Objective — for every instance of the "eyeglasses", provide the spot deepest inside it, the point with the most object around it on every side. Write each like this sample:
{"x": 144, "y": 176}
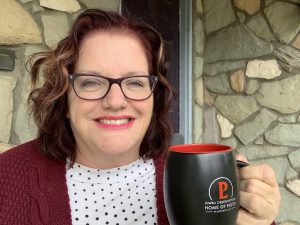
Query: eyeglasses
{"x": 93, "y": 87}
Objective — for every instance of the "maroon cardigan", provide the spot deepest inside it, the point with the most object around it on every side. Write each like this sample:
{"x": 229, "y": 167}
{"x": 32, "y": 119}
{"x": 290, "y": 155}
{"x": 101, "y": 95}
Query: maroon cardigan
{"x": 33, "y": 189}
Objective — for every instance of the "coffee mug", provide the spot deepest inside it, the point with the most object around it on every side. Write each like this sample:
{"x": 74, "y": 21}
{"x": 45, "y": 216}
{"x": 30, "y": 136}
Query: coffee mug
{"x": 201, "y": 185}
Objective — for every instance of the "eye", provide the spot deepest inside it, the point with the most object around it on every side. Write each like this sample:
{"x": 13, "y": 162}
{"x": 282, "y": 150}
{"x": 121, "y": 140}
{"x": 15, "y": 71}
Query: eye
{"x": 90, "y": 83}
{"x": 140, "y": 82}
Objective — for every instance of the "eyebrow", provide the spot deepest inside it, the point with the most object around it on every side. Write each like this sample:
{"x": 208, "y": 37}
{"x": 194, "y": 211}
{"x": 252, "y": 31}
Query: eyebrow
{"x": 133, "y": 73}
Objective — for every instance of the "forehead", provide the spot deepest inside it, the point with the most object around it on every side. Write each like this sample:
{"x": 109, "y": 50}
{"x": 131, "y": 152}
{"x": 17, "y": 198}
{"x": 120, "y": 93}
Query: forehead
{"x": 108, "y": 36}
{"x": 112, "y": 50}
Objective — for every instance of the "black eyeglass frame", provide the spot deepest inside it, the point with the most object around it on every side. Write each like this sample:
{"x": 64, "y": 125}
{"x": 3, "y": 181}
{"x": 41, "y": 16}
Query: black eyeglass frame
{"x": 112, "y": 81}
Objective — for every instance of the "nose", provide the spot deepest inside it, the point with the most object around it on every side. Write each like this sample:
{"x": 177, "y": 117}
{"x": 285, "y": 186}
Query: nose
{"x": 115, "y": 98}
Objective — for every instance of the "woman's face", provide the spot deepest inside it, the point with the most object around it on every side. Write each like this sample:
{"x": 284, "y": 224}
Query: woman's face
{"x": 109, "y": 131}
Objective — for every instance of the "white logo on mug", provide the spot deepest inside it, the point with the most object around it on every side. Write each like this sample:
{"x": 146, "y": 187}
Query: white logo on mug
{"x": 221, "y": 196}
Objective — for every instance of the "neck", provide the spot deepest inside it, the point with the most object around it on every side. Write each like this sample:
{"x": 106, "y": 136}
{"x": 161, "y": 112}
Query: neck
{"x": 105, "y": 161}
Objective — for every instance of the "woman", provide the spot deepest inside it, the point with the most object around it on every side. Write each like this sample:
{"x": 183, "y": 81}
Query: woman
{"x": 102, "y": 117}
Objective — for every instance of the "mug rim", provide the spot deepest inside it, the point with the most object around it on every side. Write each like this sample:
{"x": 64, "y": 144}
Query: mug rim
{"x": 200, "y": 148}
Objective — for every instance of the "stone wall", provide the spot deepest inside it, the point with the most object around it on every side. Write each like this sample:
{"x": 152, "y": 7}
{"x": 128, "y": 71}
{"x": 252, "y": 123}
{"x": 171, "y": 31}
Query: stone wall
{"x": 247, "y": 85}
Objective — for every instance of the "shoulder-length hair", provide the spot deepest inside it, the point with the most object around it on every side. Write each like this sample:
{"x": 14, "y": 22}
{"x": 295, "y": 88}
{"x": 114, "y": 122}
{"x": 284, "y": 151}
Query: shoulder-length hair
{"x": 48, "y": 99}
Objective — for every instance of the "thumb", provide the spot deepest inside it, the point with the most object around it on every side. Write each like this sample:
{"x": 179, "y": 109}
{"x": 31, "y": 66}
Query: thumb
{"x": 241, "y": 157}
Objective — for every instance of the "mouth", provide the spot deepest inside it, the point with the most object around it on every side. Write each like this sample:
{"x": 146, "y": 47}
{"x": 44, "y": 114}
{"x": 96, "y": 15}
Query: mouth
{"x": 115, "y": 122}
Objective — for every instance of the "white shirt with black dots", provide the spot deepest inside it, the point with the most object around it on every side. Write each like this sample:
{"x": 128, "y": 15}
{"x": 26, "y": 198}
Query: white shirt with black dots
{"x": 118, "y": 196}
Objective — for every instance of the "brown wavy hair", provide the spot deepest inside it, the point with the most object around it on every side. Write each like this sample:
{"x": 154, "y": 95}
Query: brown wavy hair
{"x": 48, "y": 99}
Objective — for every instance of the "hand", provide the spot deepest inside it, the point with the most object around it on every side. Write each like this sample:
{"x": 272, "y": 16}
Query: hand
{"x": 259, "y": 194}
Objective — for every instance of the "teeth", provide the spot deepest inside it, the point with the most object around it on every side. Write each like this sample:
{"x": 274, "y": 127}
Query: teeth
{"x": 114, "y": 122}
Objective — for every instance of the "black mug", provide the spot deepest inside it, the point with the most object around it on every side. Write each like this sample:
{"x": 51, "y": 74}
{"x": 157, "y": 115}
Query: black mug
{"x": 201, "y": 185}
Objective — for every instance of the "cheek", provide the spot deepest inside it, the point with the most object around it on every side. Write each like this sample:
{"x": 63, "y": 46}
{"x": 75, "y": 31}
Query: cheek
{"x": 76, "y": 107}
{"x": 148, "y": 109}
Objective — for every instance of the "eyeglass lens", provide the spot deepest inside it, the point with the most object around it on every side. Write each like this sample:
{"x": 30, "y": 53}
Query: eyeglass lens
{"x": 96, "y": 87}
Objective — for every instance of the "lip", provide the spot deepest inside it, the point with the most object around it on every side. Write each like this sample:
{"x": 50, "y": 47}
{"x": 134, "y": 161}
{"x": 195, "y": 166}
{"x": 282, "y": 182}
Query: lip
{"x": 115, "y": 122}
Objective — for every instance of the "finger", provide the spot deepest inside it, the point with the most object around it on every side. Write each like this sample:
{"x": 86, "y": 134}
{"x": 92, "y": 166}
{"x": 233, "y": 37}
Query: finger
{"x": 256, "y": 205}
{"x": 261, "y": 172}
{"x": 259, "y": 188}
{"x": 244, "y": 217}
{"x": 241, "y": 158}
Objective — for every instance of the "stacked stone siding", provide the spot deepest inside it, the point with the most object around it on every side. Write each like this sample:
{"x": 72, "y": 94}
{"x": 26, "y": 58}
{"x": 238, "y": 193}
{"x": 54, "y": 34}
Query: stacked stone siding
{"x": 247, "y": 88}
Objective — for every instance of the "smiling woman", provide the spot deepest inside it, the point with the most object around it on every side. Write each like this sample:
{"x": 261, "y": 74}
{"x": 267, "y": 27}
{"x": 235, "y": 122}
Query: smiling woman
{"x": 103, "y": 129}
{"x": 102, "y": 113}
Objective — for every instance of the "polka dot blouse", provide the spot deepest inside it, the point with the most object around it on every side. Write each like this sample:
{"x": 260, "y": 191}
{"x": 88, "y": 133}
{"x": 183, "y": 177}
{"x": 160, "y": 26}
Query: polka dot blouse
{"x": 117, "y": 196}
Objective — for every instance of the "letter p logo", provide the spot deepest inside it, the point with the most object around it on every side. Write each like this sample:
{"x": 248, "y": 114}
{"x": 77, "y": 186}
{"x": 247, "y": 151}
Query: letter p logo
{"x": 223, "y": 187}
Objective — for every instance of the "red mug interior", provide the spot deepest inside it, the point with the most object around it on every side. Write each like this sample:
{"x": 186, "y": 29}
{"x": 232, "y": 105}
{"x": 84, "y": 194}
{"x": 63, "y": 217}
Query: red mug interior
{"x": 200, "y": 148}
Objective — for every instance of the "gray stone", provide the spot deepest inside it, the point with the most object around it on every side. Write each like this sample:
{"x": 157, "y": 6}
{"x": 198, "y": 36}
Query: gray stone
{"x": 291, "y": 174}
{"x": 284, "y": 134}
{"x": 218, "y": 14}
{"x": 296, "y": 1}
{"x": 282, "y": 96}
{"x": 289, "y": 57}
{"x": 225, "y": 126}
{"x": 260, "y": 27}
{"x": 21, "y": 28}
{"x": 284, "y": 19}
{"x": 199, "y": 36}
{"x": 199, "y": 92}
{"x": 53, "y": 33}
{"x": 289, "y": 223}
{"x": 199, "y": 6}
{"x": 259, "y": 141}
{"x": 294, "y": 158}
{"x": 294, "y": 186}
{"x": 252, "y": 86}
{"x": 232, "y": 142}
{"x": 263, "y": 151}
{"x": 279, "y": 165}
{"x": 213, "y": 69}
{"x": 211, "y": 132}
{"x": 7, "y": 85}
{"x": 236, "y": 108}
{"x": 268, "y": 2}
{"x": 24, "y": 126}
{"x": 241, "y": 16}
{"x": 266, "y": 69}
{"x": 251, "y": 130}
{"x": 287, "y": 119}
{"x": 36, "y": 7}
{"x": 218, "y": 84}
{"x": 198, "y": 123}
{"x": 65, "y": 6}
{"x": 25, "y": 1}
{"x": 289, "y": 207}
{"x": 198, "y": 68}
{"x": 208, "y": 98}
{"x": 102, "y": 4}
{"x": 235, "y": 42}
{"x": 20, "y": 114}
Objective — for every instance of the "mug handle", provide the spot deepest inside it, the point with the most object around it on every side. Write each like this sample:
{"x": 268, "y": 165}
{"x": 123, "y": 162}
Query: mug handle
{"x": 241, "y": 164}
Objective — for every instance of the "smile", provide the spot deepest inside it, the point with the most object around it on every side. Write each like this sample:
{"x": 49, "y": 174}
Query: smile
{"x": 115, "y": 121}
